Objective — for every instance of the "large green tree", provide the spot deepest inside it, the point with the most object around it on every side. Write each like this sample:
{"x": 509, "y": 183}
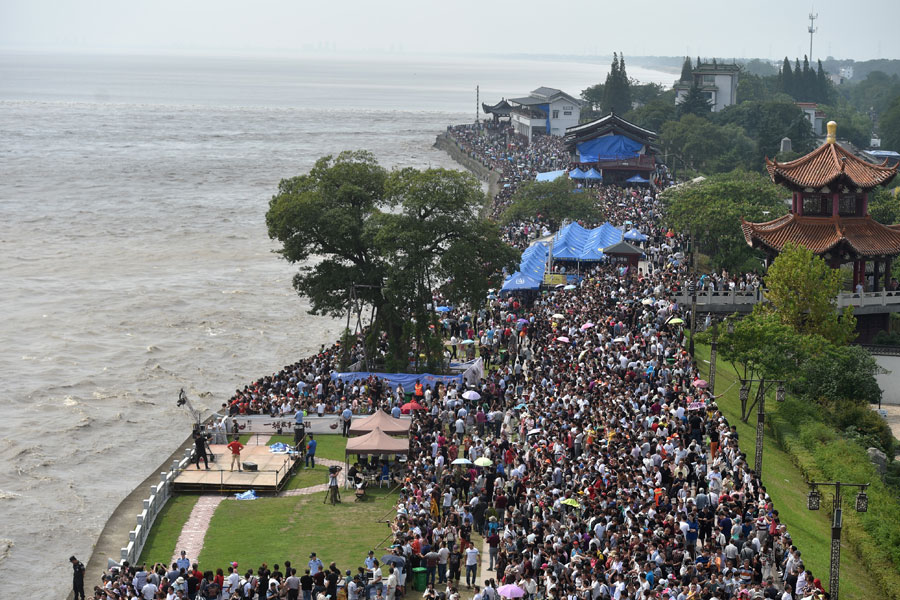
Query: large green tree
{"x": 617, "y": 88}
{"x": 552, "y": 201}
{"x": 695, "y": 103}
{"x": 397, "y": 236}
{"x": 802, "y": 291}
{"x": 705, "y": 147}
{"x": 712, "y": 210}
{"x": 767, "y": 123}
{"x": 889, "y": 126}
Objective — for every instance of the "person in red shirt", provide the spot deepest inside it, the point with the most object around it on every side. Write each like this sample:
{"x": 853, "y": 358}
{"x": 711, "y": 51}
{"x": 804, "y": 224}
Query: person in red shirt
{"x": 236, "y": 446}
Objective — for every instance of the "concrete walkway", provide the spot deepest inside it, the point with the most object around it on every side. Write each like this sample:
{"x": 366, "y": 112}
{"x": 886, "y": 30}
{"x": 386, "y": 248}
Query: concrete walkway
{"x": 322, "y": 486}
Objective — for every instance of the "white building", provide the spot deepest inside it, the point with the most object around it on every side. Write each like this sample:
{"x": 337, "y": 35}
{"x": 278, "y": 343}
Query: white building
{"x": 544, "y": 111}
{"x": 717, "y": 82}
{"x": 815, "y": 116}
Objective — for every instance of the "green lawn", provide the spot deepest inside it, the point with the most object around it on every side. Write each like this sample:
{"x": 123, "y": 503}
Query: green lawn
{"x": 811, "y": 531}
{"x": 160, "y": 544}
{"x": 328, "y": 445}
{"x": 289, "y": 528}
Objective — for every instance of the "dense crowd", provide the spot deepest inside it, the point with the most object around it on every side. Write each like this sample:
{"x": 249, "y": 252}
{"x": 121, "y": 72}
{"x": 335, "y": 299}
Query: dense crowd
{"x": 612, "y": 473}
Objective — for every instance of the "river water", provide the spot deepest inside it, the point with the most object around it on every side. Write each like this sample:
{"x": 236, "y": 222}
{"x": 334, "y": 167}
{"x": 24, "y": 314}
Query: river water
{"x": 134, "y": 258}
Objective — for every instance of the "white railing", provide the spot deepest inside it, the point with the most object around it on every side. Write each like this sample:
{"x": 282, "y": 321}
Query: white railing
{"x": 889, "y": 298}
{"x": 159, "y": 495}
{"x": 737, "y": 297}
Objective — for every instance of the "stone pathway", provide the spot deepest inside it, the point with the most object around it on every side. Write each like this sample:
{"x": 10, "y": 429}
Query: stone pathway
{"x": 322, "y": 486}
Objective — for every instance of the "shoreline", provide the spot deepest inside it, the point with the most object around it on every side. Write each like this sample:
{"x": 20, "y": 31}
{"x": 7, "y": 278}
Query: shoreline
{"x": 489, "y": 176}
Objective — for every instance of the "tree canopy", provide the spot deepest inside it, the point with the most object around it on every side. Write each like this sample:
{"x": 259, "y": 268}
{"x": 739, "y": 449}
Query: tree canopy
{"x": 712, "y": 210}
{"x": 694, "y": 103}
{"x": 553, "y": 201}
{"x": 397, "y": 235}
{"x": 802, "y": 291}
{"x": 705, "y": 147}
{"x": 617, "y": 88}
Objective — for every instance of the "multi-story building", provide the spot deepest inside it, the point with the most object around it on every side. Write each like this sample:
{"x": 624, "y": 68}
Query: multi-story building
{"x": 718, "y": 83}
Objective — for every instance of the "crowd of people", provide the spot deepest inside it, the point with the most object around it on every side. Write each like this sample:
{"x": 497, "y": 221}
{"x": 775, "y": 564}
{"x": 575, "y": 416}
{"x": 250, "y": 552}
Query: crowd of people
{"x": 609, "y": 471}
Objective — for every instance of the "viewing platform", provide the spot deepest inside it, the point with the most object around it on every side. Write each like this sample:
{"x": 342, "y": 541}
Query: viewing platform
{"x": 727, "y": 301}
{"x": 272, "y": 472}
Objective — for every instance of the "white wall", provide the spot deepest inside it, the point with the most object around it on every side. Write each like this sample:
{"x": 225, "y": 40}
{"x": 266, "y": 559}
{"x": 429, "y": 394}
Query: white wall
{"x": 889, "y": 382}
{"x": 558, "y": 125}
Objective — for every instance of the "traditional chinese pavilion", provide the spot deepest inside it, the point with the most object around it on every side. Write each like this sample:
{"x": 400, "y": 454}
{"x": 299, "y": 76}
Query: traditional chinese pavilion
{"x": 829, "y": 213}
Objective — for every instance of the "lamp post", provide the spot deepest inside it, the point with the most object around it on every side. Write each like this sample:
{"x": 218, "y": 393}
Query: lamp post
{"x": 813, "y": 501}
{"x": 760, "y": 413}
{"x": 714, "y": 352}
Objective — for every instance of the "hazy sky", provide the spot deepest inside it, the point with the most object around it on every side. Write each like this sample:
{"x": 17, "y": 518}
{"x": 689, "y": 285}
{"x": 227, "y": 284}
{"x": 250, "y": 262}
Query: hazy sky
{"x": 724, "y": 28}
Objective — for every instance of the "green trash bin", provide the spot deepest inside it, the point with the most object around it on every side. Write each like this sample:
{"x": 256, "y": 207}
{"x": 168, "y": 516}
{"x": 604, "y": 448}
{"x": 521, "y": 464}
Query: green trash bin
{"x": 419, "y": 578}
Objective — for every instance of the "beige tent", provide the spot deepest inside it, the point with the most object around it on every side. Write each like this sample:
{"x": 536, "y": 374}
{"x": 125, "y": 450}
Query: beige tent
{"x": 377, "y": 442}
{"x": 383, "y": 421}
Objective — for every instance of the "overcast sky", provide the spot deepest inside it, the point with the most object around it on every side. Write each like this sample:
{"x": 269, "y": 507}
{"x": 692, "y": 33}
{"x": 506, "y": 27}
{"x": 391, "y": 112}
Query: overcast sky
{"x": 725, "y": 28}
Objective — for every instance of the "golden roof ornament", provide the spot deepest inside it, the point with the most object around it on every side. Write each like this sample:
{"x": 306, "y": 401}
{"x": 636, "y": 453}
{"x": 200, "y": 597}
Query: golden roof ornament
{"x": 832, "y": 132}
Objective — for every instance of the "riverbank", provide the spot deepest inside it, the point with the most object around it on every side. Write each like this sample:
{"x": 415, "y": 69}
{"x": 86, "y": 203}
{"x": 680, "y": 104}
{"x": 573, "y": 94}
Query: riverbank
{"x": 492, "y": 178}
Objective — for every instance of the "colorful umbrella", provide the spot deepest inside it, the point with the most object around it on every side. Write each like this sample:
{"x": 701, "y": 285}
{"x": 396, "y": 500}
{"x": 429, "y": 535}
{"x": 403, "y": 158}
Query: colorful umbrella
{"x": 483, "y": 461}
{"x": 586, "y": 326}
{"x": 675, "y": 321}
{"x": 411, "y": 406}
{"x": 571, "y": 502}
{"x": 563, "y": 339}
{"x": 701, "y": 383}
{"x": 510, "y": 590}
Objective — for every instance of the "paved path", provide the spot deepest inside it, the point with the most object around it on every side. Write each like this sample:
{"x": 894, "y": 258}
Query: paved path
{"x": 322, "y": 486}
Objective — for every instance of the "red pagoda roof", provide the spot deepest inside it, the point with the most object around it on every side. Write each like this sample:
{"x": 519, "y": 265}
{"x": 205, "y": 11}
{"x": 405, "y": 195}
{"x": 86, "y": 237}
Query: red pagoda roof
{"x": 820, "y": 234}
{"x": 827, "y": 164}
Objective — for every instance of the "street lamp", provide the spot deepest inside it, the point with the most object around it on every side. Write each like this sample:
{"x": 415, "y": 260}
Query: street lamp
{"x": 760, "y": 412}
{"x": 837, "y": 518}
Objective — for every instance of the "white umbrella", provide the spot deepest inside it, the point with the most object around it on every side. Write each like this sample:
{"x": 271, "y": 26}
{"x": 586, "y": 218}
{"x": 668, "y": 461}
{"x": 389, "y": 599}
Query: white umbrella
{"x": 534, "y": 431}
{"x": 471, "y": 395}
{"x": 620, "y": 339}
{"x": 558, "y": 316}
{"x": 461, "y": 461}
{"x": 647, "y": 301}
{"x": 467, "y": 342}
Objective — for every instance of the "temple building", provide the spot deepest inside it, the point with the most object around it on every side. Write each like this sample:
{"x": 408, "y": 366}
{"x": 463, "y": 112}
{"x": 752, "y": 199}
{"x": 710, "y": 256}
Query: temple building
{"x": 829, "y": 214}
{"x": 618, "y": 149}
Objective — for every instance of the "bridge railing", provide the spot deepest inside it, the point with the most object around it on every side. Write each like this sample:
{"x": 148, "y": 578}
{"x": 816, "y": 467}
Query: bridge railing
{"x": 744, "y": 297}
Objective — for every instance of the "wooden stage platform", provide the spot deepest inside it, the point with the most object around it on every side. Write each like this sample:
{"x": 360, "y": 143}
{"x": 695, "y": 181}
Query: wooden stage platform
{"x": 274, "y": 470}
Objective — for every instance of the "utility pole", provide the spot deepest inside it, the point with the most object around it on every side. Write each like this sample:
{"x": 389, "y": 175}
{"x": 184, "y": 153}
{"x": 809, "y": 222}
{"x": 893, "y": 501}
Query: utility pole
{"x": 812, "y": 29}
{"x": 478, "y": 106}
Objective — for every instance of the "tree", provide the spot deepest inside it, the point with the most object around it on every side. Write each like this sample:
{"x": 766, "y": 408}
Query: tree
{"x": 593, "y": 96}
{"x": 787, "y": 78}
{"x": 616, "y": 90}
{"x": 694, "y": 103}
{"x": 553, "y": 201}
{"x": 712, "y": 210}
{"x": 687, "y": 72}
{"x": 889, "y": 126}
{"x": 884, "y": 206}
{"x": 841, "y": 377}
{"x": 327, "y": 214}
{"x": 767, "y": 123}
{"x": 397, "y": 235}
{"x": 656, "y": 112}
{"x": 802, "y": 291}
{"x": 705, "y": 147}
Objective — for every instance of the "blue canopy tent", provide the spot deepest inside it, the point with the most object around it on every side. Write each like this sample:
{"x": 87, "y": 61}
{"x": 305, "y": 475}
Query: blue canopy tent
{"x": 550, "y": 175}
{"x": 634, "y": 235}
{"x": 520, "y": 281}
{"x": 637, "y": 179}
{"x": 608, "y": 147}
{"x": 576, "y": 173}
{"x": 575, "y": 243}
{"x": 593, "y": 175}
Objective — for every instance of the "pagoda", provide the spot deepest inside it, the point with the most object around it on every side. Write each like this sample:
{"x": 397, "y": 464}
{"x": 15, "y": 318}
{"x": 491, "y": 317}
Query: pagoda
{"x": 830, "y": 215}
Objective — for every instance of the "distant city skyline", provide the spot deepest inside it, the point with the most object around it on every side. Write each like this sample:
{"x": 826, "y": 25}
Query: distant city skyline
{"x": 768, "y": 29}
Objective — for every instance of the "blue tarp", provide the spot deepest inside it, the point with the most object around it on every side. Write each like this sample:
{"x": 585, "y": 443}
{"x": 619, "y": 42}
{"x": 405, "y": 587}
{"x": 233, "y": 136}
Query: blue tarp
{"x": 608, "y": 147}
{"x": 533, "y": 261}
{"x": 574, "y": 242}
{"x": 576, "y": 174}
{"x": 635, "y": 236}
{"x": 593, "y": 175}
{"x": 550, "y": 175}
{"x": 637, "y": 179}
{"x": 407, "y": 380}
{"x": 248, "y": 495}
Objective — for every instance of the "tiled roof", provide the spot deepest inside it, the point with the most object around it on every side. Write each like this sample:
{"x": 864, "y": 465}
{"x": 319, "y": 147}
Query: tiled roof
{"x": 820, "y": 234}
{"x": 827, "y": 164}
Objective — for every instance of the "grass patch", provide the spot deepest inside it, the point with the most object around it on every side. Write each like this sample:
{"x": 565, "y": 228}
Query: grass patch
{"x": 786, "y": 484}
{"x": 289, "y": 528}
{"x": 160, "y": 544}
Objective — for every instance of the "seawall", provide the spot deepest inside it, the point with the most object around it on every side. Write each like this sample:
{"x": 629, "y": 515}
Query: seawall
{"x": 492, "y": 178}
{"x": 123, "y": 520}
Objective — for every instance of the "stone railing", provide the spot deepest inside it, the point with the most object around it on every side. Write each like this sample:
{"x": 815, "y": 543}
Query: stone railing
{"x": 159, "y": 495}
{"x": 742, "y": 301}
